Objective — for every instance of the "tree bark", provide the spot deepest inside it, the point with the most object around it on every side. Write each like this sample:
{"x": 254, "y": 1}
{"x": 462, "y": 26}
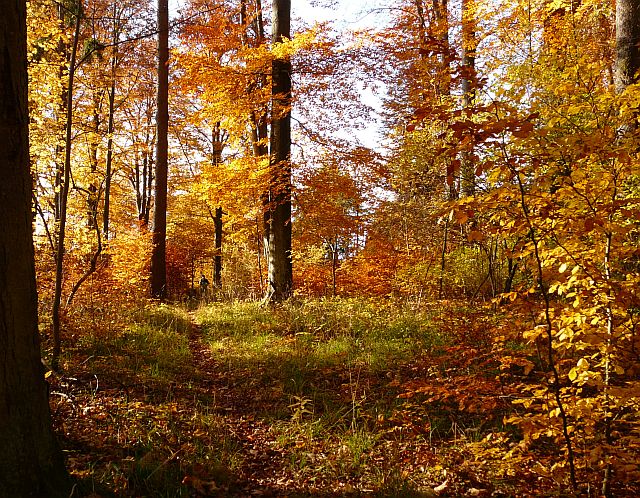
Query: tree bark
{"x": 218, "y": 141}
{"x": 158, "y": 256}
{"x": 64, "y": 194}
{"x": 278, "y": 224}
{"x": 30, "y": 460}
{"x": 467, "y": 169}
{"x": 627, "y": 38}
{"x": 217, "y": 263}
{"x": 627, "y": 65}
{"x": 110, "y": 126}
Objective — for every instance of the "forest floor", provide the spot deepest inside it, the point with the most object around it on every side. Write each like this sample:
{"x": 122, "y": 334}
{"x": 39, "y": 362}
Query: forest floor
{"x": 321, "y": 398}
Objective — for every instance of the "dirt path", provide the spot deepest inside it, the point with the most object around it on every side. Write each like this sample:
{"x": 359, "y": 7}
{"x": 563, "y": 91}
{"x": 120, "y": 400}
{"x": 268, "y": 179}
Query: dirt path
{"x": 263, "y": 470}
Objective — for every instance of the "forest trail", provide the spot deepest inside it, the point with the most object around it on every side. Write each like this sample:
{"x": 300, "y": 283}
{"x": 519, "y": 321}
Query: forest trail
{"x": 262, "y": 472}
{"x": 262, "y": 403}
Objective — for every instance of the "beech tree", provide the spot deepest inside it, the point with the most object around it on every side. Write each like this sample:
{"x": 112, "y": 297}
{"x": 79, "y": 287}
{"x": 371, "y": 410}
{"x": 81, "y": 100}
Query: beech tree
{"x": 158, "y": 257}
{"x": 278, "y": 200}
{"x": 30, "y": 460}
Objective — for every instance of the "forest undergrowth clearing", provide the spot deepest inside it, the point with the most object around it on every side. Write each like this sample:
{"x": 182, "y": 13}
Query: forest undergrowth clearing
{"x": 327, "y": 398}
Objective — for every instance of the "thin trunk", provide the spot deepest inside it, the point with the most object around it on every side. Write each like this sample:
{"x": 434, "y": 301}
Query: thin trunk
{"x": 422, "y": 24}
{"x": 552, "y": 367}
{"x": 441, "y": 17}
{"x": 469, "y": 43}
{"x": 278, "y": 226}
{"x": 148, "y": 184}
{"x": 258, "y": 238}
{"x": 93, "y": 264}
{"x": 63, "y": 51}
{"x": 110, "y": 127}
{"x": 334, "y": 268}
{"x": 158, "y": 256}
{"x": 217, "y": 267}
{"x": 92, "y": 195}
{"x": 259, "y": 22}
{"x": 64, "y": 194}
{"x": 443, "y": 259}
{"x": 218, "y": 140}
{"x": 45, "y": 224}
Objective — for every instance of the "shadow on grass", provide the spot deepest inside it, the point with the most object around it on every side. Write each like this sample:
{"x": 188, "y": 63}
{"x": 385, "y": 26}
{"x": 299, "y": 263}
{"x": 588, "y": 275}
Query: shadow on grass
{"x": 298, "y": 401}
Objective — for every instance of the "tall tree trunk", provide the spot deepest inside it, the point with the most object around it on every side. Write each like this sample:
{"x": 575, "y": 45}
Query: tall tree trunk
{"x": 94, "y": 143}
{"x": 217, "y": 263}
{"x": 64, "y": 194}
{"x": 278, "y": 225}
{"x": 218, "y": 140}
{"x": 108, "y": 161}
{"x": 469, "y": 43}
{"x": 158, "y": 255}
{"x": 63, "y": 51}
{"x": 110, "y": 126}
{"x": 627, "y": 65}
{"x": 440, "y": 31}
{"x": 441, "y": 18}
{"x": 30, "y": 461}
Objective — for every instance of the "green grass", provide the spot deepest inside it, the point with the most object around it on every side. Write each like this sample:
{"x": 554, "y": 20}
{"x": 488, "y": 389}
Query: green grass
{"x": 152, "y": 348}
{"x": 320, "y": 378}
{"x": 320, "y": 361}
{"x": 323, "y": 332}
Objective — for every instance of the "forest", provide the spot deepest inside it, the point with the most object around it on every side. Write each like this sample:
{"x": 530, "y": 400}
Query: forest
{"x": 248, "y": 252}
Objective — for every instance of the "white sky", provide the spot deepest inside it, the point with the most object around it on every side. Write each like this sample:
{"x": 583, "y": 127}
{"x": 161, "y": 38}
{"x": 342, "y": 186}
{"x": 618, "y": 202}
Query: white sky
{"x": 348, "y": 14}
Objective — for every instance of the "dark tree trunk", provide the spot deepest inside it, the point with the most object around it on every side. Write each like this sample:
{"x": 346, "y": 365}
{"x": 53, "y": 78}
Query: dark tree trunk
{"x": 64, "y": 194}
{"x": 441, "y": 27}
{"x": 63, "y": 51}
{"x": 30, "y": 460}
{"x": 218, "y": 141}
{"x": 92, "y": 194}
{"x": 158, "y": 256}
{"x": 467, "y": 169}
{"x": 110, "y": 127}
{"x": 108, "y": 162}
{"x": 278, "y": 222}
{"x": 217, "y": 263}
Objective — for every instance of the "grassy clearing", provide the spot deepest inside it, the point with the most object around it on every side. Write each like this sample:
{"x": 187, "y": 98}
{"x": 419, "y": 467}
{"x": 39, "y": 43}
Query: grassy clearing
{"x": 327, "y": 374}
{"x": 327, "y": 396}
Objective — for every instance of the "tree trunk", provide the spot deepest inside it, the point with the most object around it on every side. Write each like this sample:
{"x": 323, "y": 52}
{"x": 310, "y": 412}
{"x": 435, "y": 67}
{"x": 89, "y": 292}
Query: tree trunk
{"x": 64, "y": 194}
{"x": 30, "y": 460}
{"x": 278, "y": 224}
{"x": 467, "y": 169}
{"x": 218, "y": 140}
{"x": 158, "y": 255}
{"x": 94, "y": 143}
{"x": 110, "y": 127}
{"x": 627, "y": 65}
{"x": 627, "y": 38}
{"x": 441, "y": 28}
{"x": 217, "y": 263}
{"x": 63, "y": 51}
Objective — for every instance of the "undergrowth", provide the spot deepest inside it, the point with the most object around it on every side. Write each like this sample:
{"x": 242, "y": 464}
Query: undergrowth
{"x": 337, "y": 396}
